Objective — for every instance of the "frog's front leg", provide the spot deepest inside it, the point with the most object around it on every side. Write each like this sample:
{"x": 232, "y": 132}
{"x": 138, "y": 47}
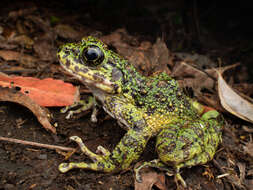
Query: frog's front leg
{"x": 83, "y": 105}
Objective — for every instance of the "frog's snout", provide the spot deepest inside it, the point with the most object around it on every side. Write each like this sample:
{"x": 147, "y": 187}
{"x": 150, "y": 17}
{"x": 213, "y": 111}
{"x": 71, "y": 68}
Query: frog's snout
{"x": 62, "y": 53}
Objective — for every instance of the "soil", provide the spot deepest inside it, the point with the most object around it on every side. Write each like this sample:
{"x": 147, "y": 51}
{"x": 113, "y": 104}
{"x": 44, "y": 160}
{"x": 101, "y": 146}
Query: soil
{"x": 224, "y": 34}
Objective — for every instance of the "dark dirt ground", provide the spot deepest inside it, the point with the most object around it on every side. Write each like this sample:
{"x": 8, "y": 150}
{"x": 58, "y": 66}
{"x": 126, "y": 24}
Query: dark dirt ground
{"x": 224, "y": 33}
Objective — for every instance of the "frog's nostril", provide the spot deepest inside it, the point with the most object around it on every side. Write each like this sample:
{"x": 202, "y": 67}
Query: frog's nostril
{"x": 64, "y": 55}
{"x": 64, "y": 52}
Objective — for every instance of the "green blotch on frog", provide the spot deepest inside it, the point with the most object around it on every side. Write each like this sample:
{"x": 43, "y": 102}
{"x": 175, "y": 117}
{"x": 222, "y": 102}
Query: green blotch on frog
{"x": 145, "y": 107}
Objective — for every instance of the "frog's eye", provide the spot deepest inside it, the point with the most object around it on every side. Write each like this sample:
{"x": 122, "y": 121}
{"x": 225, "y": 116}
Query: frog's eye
{"x": 93, "y": 55}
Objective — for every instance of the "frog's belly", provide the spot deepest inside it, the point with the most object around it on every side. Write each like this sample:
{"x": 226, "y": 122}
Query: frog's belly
{"x": 156, "y": 122}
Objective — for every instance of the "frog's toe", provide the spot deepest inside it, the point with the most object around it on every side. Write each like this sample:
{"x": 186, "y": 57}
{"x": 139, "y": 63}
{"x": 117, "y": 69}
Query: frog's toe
{"x": 70, "y": 114}
{"x": 76, "y": 139}
{"x": 178, "y": 178}
{"x": 79, "y": 106}
{"x": 64, "y": 167}
{"x": 138, "y": 177}
{"x": 156, "y": 163}
{"x": 64, "y": 110}
{"x": 94, "y": 114}
{"x": 103, "y": 151}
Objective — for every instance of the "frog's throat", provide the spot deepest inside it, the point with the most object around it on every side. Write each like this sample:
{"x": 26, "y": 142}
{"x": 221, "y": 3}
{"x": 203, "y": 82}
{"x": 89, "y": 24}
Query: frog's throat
{"x": 88, "y": 79}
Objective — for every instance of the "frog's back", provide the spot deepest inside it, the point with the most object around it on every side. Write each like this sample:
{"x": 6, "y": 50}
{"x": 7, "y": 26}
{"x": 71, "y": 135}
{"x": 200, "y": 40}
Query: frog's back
{"x": 161, "y": 95}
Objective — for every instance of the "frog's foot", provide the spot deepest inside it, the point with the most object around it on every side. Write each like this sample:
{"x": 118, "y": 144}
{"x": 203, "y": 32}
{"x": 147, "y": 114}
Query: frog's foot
{"x": 154, "y": 164}
{"x": 212, "y": 114}
{"x": 100, "y": 162}
{"x": 83, "y": 106}
{"x": 178, "y": 178}
{"x": 159, "y": 165}
{"x": 94, "y": 114}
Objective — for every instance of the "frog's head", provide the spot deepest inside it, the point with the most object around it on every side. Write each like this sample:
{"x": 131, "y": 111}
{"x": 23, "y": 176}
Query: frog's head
{"x": 93, "y": 64}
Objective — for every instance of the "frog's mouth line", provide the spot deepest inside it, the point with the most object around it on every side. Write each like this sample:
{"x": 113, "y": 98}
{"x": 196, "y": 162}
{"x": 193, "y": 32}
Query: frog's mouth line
{"x": 104, "y": 85}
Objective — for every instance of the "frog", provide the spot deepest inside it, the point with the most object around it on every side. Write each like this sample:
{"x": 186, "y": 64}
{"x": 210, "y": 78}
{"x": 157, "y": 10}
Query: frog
{"x": 144, "y": 106}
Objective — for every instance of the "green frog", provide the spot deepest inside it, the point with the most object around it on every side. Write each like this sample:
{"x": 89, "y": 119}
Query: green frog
{"x": 145, "y": 107}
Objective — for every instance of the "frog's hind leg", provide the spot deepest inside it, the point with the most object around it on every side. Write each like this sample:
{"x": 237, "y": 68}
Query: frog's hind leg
{"x": 193, "y": 143}
{"x": 161, "y": 166}
{"x": 186, "y": 144}
{"x": 128, "y": 150}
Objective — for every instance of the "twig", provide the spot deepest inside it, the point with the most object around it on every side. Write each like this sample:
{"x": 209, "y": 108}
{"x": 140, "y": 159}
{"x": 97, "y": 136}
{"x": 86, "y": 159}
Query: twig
{"x": 55, "y": 147}
{"x": 231, "y": 178}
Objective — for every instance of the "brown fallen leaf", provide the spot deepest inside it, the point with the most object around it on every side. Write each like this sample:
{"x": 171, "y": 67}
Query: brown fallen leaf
{"x": 8, "y": 33}
{"x": 193, "y": 77}
{"x": 147, "y": 58}
{"x": 242, "y": 169}
{"x": 8, "y": 55}
{"x": 45, "y": 92}
{"x": 45, "y": 50}
{"x": 150, "y": 178}
{"x": 198, "y": 60}
{"x": 232, "y": 177}
{"x": 42, "y": 114}
{"x": 1, "y": 29}
{"x": 67, "y": 31}
{"x": 23, "y": 40}
{"x": 44, "y": 25}
{"x": 245, "y": 88}
{"x": 25, "y": 59}
{"x": 5, "y": 45}
{"x": 21, "y": 12}
{"x": 248, "y": 148}
{"x": 233, "y": 102}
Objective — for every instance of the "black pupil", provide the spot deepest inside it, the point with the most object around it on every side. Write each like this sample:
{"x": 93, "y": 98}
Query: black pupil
{"x": 91, "y": 54}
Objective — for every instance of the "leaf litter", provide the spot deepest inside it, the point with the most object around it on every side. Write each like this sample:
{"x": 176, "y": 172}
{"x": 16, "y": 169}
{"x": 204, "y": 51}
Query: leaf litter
{"x": 32, "y": 34}
{"x": 232, "y": 101}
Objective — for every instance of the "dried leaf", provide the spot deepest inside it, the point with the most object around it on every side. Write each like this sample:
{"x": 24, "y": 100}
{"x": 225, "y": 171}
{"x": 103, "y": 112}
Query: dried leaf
{"x": 250, "y": 172}
{"x": 248, "y": 148}
{"x": 9, "y": 55}
{"x": 21, "y": 12}
{"x": 45, "y": 92}
{"x": 242, "y": 168}
{"x": 146, "y": 58}
{"x": 194, "y": 77}
{"x": 22, "y": 40}
{"x": 1, "y": 29}
{"x": 42, "y": 114}
{"x": 67, "y": 31}
{"x": 150, "y": 178}
{"x": 245, "y": 88}
{"x": 249, "y": 183}
{"x": 45, "y": 50}
{"x": 5, "y": 45}
{"x": 200, "y": 61}
{"x": 232, "y": 102}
